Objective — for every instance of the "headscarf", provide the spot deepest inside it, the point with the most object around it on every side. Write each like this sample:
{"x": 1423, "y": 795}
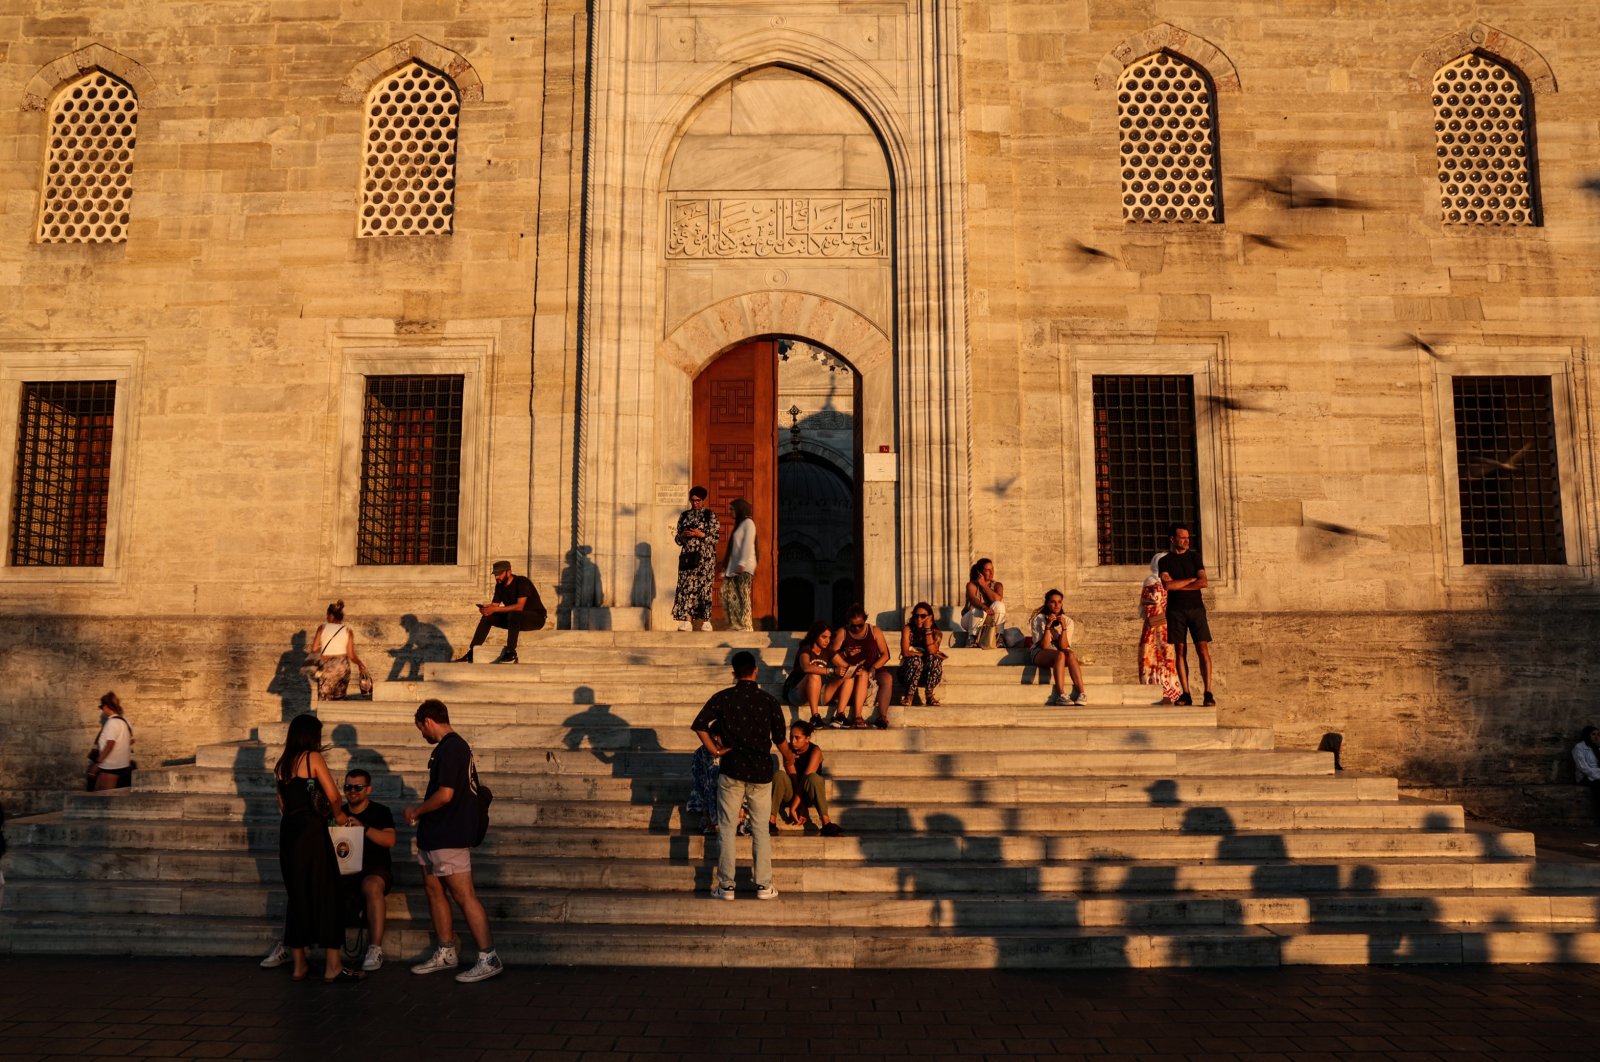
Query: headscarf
{"x": 1155, "y": 568}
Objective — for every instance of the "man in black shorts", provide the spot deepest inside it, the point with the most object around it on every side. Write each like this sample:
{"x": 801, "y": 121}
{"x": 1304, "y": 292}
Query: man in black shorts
{"x": 377, "y": 870}
{"x": 1183, "y": 573}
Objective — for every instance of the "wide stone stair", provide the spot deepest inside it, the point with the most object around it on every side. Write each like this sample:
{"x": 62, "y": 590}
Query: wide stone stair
{"x": 989, "y": 831}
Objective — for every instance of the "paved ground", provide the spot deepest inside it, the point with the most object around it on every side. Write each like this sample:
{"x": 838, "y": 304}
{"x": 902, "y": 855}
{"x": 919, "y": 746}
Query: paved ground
{"x": 163, "y": 1009}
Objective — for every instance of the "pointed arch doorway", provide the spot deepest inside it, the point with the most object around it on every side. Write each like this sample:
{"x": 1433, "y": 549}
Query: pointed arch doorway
{"x": 775, "y": 423}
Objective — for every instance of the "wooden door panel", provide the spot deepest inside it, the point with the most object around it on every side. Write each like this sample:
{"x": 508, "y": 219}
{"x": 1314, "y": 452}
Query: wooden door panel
{"x": 735, "y": 455}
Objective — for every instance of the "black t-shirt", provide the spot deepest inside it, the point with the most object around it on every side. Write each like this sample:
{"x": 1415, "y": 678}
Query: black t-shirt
{"x": 456, "y": 824}
{"x": 751, "y": 723}
{"x": 1183, "y": 566}
{"x": 518, "y": 588}
{"x": 375, "y": 858}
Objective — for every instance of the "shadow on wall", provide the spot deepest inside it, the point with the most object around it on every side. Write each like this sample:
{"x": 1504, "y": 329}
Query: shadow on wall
{"x": 425, "y": 643}
{"x": 580, "y": 586}
{"x": 290, "y": 684}
{"x": 1515, "y": 680}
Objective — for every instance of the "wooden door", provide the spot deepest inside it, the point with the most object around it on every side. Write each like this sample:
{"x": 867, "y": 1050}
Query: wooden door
{"x": 735, "y": 456}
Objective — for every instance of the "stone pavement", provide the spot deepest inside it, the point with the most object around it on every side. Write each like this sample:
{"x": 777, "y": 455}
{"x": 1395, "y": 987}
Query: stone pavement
{"x": 61, "y": 1009}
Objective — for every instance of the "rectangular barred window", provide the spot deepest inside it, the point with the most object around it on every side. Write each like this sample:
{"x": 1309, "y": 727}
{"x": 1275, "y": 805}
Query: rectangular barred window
{"x": 1146, "y": 475}
{"x": 63, "y": 473}
{"x": 1506, "y": 466}
{"x": 410, "y": 470}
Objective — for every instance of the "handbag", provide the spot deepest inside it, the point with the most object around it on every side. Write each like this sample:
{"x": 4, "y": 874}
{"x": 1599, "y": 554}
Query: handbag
{"x": 347, "y": 847}
{"x": 688, "y": 561}
{"x": 986, "y": 633}
{"x": 365, "y": 683}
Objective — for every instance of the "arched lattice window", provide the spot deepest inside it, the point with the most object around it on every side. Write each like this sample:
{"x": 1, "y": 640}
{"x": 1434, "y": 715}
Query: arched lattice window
{"x": 408, "y": 178}
{"x": 1484, "y": 127}
{"x": 1166, "y": 112}
{"x": 88, "y": 165}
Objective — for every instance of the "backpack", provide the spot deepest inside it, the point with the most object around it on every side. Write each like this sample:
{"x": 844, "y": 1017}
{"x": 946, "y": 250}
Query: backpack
{"x": 485, "y": 797}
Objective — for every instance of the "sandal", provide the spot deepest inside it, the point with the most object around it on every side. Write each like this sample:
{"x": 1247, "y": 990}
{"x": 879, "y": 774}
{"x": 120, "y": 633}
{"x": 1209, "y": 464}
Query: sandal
{"x": 905, "y": 698}
{"x": 933, "y": 702}
{"x": 858, "y": 723}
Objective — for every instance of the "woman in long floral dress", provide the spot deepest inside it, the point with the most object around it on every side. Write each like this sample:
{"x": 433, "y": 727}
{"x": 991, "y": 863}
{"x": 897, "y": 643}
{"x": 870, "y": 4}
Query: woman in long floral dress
{"x": 697, "y": 534}
{"x": 1157, "y": 666}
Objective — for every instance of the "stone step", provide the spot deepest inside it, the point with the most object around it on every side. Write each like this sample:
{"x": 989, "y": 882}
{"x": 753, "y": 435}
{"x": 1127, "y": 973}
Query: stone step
{"x": 846, "y": 947}
{"x": 604, "y": 730}
{"x": 687, "y": 905}
{"x": 594, "y": 781}
{"x": 694, "y": 653}
{"x": 656, "y": 690}
{"x": 224, "y": 852}
{"x": 488, "y": 725}
{"x": 1141, "y": 766}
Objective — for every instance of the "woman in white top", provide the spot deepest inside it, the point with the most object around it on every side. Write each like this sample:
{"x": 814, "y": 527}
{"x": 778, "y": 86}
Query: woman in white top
{"x": 986, "y": 599}
{"x": 111, "y": 759}
{"x": 741, "y": 569}
{"x": 335, "y": 645}
{"x": 1052, "y": 650}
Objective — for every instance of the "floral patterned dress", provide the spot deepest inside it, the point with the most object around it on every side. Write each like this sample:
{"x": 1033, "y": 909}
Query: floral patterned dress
{"x": 1157, "y": 665}
{"x": 697, "y": 565}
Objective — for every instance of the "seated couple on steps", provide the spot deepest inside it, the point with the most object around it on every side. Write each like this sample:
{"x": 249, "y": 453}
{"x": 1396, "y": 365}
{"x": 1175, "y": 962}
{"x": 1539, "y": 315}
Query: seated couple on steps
{"x": 839, "y": 667}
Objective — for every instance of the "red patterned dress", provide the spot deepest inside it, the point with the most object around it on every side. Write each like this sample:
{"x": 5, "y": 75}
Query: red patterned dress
{"x": 1157, "y": 665}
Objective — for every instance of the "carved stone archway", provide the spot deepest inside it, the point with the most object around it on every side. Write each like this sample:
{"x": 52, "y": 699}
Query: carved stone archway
{"x": 651, "y": 67}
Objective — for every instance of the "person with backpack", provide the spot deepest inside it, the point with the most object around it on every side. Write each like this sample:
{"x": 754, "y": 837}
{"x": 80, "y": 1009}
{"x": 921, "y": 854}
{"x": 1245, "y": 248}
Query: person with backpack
{"x": 450, "y": 821}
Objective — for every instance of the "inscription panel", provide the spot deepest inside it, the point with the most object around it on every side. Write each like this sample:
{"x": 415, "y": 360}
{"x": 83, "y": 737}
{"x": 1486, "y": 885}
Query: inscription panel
{"x": 788, "y": 227}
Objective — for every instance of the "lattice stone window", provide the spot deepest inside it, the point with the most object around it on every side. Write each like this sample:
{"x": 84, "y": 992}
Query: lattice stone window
{"x": 408, "y": 178}
{"x": 63, "y": 473}
{"x": 1146, "y": 474}
{"x": 1484, "y": 129}
{"x": 1167, "y": 116}
{"x": 410, "y": 470}
{"x": 1506, "y": 467}
{"x": 88, "y": 167}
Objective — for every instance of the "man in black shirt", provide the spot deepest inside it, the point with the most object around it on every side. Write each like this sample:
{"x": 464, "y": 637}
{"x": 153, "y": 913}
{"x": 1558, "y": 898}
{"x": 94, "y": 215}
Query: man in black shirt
{"x": 747, "y": 722}
{"x": 1183, "y": 573}
{"x": 377, "y": 870}
{"x": 515, "y": 606}
{"x": 447, "y": 828}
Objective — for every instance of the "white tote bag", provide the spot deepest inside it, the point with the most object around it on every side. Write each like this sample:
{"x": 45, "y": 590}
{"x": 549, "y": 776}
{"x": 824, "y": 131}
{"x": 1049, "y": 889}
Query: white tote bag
{"x": 347, "y": 846}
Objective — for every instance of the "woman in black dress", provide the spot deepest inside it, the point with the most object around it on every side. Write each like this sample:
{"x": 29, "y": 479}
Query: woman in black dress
{"x": 305, "y": 852}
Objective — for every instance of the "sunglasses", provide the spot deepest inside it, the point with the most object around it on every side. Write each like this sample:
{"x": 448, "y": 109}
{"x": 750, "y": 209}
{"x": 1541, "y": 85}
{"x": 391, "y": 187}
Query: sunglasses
{"x": 922, "y": 615}
{"x": 355, "y": 788}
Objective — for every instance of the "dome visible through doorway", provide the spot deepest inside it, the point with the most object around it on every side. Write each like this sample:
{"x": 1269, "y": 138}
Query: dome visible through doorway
{"x": 818, "y": 500}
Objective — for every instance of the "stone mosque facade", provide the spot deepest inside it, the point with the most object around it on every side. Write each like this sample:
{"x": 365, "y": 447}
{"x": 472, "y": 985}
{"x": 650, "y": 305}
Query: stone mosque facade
{"x": 308, "y": 301}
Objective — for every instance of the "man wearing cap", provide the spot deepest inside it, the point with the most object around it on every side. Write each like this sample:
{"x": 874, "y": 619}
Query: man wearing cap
{"x": 515, "y": 606}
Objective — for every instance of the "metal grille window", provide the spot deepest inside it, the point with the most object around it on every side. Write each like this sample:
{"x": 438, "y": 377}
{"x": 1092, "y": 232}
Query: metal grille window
{"x": 1146, "y": 475}
{"x": 410, "y": 470}
{"x": 63, "y": 473}
{"x": 1506, "y": 465}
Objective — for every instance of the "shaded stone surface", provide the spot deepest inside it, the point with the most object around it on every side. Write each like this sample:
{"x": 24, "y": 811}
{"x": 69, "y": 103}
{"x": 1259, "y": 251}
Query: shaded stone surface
{"x": 163, "y": 1009}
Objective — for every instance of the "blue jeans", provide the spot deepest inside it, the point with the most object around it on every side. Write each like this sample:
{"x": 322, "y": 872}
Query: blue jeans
{"x": 757, "y": 797}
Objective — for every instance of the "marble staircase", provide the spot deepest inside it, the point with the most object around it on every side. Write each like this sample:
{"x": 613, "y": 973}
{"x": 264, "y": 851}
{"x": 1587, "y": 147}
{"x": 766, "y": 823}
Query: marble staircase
{"x": 989, "y": 831}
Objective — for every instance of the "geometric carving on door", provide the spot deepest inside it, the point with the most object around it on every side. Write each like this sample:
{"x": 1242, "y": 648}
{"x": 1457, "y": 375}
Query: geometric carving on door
{"x": 732, "y": 402}
{"x": 732, "y": 469}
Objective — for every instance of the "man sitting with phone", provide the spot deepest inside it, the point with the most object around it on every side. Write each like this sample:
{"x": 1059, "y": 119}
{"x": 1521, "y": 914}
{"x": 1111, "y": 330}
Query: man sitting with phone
{"x": 515, "y": 606}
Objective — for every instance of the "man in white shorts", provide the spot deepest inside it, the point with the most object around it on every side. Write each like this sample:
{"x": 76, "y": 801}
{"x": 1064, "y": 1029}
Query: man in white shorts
{"x": 447, "y": 827}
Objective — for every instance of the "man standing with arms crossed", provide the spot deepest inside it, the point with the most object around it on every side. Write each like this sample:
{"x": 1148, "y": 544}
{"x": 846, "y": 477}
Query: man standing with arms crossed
{"x": 1183, "y": 573}
{"x": 447, "y": 827}
{"x": 741, "y": 724}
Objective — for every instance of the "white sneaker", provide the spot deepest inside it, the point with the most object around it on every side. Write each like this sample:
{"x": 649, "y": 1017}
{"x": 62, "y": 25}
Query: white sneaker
{"x": 705, "y": 625}
{"x": 487, "y": 966}
{"x": 1079, "y": 698}
{"x": 276, "y": 957}
{"x": 374, "y": 959}
{"x": 685, "y": 625}
{"x": 721, "y": 892}
{"x": 766, "y": 892}
{"x": 1057, "y": 699}
{"x": 444, "y": 958}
